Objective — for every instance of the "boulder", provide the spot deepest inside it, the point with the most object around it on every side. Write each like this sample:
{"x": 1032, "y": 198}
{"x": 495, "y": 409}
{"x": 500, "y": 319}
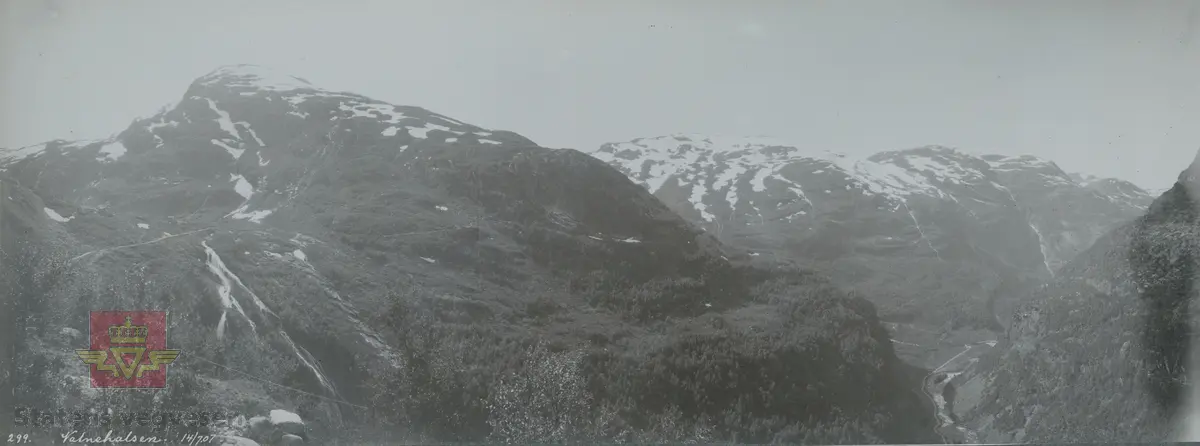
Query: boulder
{"x": 260, "y": 428}
{"x": 287, "y": 422}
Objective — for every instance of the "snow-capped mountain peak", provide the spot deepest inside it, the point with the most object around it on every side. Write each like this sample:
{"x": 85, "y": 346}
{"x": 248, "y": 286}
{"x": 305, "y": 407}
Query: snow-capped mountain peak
{"x": 934, "y": 202}
{"x": 932, "y": 234}
{"x": 247, "y": 77}
{"x": 242, "y": 129}
{"x": 727, "y": 165}
{"x": 661, "y": 158}
{"x": 1046, "y": 170}
{"x": 737, "y": 163}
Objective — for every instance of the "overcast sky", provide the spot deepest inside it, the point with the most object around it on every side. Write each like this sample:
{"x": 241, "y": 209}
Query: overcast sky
{"x": 1102, "y": 87}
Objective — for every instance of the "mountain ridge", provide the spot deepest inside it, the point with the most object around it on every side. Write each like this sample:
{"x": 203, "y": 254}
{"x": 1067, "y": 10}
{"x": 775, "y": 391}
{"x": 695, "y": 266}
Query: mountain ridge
{"x": 728, "y": 144}
{"x": 931, "y": 234}
{"x": 434, "y": 272}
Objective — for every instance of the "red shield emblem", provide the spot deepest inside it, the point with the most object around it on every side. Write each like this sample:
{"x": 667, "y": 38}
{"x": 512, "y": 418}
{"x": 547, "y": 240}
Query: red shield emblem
{"x": 128, "y": 349}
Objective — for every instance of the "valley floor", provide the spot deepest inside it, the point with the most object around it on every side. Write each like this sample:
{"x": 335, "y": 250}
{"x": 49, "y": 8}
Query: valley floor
{"x": 944, "y": 356}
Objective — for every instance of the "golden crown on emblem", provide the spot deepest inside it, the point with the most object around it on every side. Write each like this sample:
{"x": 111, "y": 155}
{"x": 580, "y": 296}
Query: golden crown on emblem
{"x": 128, "y": 333}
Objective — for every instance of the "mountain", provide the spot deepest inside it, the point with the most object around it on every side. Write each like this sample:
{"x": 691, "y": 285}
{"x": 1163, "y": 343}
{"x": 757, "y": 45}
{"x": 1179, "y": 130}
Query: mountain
{"x": 341, "y": 269}
{"x": 941, "y": 240}
{"x": 1100, "y": 353}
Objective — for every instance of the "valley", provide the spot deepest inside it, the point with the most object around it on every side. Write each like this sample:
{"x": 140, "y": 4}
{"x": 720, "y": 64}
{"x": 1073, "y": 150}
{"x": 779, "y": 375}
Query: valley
{"x": 945, "y": 356}
{"x": 465, "y": 284}
{"x": 401, "y": 275}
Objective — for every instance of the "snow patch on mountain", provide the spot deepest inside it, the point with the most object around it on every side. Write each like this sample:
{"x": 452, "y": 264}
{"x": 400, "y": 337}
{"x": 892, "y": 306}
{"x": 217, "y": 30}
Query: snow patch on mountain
{"x": 896, "y": 176}
{"x": 1121, "y": 192}
{"x": 53, "y": 215}
{"x": 423, "y": 131}
{"x": 241, "y": 186}
{"x": 384, "y": 113}
{"x": 21, "y": 153}
{"x": 161, "y": 123}
{"x": 246, "y": 125}
{"x": 896, "y": 183}
{"x": 246, "y": 190}
{"x": 235, "y": 153}
{"x": 12, "y": 155}
{"x": 298, "y": 98}
{"x": 255, "y": 77}
{"x": 726, "y": 179}
{"x": 944, "y": 167}
{"x": 654, "y": 161}
{"x": 1048, "y": 172}
{"x": 1019, "y": 162}
{"x": 253, "y": 216}
{"x": 112, "y": 151}
{"x": 223, "y": 119}
{"x": 698, "y": 191}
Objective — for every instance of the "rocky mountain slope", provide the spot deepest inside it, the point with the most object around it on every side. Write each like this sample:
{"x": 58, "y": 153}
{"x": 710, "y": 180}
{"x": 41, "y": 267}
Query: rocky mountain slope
{"x": 941, "y": 240}
{"x": 390, "y": 274}
{"x": 1099, "y": 354}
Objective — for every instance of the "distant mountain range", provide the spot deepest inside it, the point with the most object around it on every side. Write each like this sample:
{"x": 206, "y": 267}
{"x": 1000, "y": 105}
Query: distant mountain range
{"x": 936, "y": 237}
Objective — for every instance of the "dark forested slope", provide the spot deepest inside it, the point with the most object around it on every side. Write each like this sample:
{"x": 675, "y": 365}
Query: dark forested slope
{"x": 1099, "y": 353}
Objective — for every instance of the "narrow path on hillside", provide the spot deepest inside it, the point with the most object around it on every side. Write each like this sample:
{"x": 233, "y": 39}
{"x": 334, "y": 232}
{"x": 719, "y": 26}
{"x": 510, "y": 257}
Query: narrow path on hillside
{"x": 106, "y": 250}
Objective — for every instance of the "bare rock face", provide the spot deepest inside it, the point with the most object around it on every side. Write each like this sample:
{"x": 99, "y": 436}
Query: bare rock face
{"x": 287, "y": 424}
{"x": 277, "y": 427}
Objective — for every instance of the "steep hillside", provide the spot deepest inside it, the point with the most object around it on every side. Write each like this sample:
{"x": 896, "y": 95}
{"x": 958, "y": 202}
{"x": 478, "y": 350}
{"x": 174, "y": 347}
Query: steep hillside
{"x": 942, "y": 241}
{"x": 389, "y": 274}
{"x": 1099, "y": 354}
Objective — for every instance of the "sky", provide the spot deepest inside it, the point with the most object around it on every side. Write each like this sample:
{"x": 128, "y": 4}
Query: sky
{"x": 1100, "y": 87}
